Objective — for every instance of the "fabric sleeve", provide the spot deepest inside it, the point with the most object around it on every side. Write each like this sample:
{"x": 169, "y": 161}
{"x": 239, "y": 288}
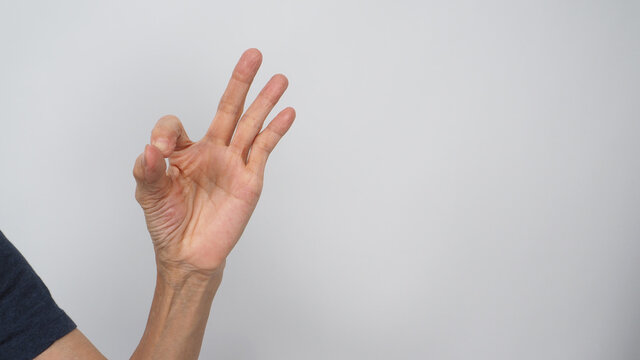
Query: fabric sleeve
{"x": 30, "y": 320}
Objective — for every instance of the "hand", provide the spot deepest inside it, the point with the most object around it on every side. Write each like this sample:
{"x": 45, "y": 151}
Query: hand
{"x": 197, "y": 209}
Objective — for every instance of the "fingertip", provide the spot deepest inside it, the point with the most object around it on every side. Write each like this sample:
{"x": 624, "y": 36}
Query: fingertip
{"x": 289, "y": 114}
{"x": 247, "y": 66}
{"x": 162, "y": 145}
{"x": 152, "y": 154}
{"x": 147, "y": 161}
{"x": 291, "y": 110}
{"x": 155, "y": 164}
{"x": 281, "y": 78}
{"x": 252, "y": 56}
{"x": 138, "y": 168}
{"x": 145, "y": 164}
{"x": 252, "y": 53}
{"x": 283, "y": 121}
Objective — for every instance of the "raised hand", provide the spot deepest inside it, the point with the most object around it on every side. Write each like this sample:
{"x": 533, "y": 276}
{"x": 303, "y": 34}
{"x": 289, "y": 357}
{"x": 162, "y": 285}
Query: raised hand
{"x": 198, "y": 207}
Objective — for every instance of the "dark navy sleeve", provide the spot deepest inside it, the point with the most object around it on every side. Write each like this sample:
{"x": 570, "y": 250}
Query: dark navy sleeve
{"x": 30, "y": 320}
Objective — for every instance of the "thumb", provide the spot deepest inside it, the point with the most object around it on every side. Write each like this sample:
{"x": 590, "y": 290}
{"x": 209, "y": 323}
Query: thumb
{"x": 150, "y": 172}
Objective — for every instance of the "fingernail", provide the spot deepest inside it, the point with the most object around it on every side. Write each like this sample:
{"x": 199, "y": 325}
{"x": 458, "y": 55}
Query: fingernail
{"x": 161, "y": 144}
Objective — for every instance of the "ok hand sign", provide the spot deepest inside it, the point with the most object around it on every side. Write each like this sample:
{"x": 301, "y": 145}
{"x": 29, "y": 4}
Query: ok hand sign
{"x": 197, "y": 209}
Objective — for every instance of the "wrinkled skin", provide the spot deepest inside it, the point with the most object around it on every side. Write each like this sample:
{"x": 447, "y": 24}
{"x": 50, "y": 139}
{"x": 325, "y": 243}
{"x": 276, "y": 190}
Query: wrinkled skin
{"x": 197, "y": 208}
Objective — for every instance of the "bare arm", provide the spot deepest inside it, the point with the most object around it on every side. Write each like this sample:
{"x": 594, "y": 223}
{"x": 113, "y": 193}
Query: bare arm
{"x": 178, "y": 318}
{"x": 196, "y": 209}
{"x": 73, "y": 346}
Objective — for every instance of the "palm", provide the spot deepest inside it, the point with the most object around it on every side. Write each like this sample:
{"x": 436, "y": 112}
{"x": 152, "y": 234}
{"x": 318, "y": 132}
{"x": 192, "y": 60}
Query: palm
{"x": 211, "y": 199}
{"x": 197, "y": 209}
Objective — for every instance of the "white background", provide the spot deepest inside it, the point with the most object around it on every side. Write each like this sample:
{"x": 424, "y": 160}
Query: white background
{"x": 461, "y": 182}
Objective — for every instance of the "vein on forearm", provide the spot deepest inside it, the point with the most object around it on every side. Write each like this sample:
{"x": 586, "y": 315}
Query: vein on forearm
{"x": 177, "y": 318}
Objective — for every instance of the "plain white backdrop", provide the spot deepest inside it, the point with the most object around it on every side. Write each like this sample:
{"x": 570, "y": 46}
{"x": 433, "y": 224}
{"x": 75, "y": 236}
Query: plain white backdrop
{"x": 461, "y": 182}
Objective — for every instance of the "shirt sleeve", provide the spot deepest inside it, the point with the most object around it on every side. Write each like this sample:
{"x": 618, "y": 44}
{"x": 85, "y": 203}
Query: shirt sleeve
{"x": 30, "y": 320}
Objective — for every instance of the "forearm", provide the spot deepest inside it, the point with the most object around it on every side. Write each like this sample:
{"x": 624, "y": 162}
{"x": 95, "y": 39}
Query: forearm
{"x": 178, "y": 315}
{"x": 198, "y": 204}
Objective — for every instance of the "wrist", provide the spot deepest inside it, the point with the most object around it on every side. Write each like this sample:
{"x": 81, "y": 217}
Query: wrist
{"x": 180, "y": 275}
{"x": 179, "y": 312}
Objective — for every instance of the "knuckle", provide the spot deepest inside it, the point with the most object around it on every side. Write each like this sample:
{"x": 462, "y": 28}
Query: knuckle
{"x": 269, "y": 99}
{"x": 251, "y": 124}
{"x": 273, "y": 137}
{"x": 227, "y": 107}
{"x": 235, "y": 148}
{"x": 241, "y": 76}
{"x": 263, "y": 146}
